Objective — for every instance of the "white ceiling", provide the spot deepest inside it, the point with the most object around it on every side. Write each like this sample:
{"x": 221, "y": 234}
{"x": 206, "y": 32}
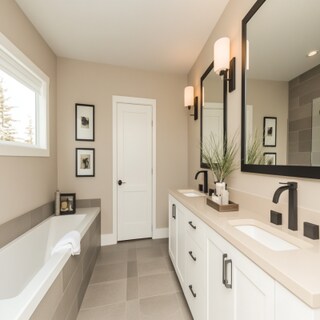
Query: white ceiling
{"x": 159, "y": 35}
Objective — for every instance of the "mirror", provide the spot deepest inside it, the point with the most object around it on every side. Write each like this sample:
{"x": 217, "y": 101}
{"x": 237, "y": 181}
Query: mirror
{"x": 213, "y": 109}
{"x": 281, "y": 88}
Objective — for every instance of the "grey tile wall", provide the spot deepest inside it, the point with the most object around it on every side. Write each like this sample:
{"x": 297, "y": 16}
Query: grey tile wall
{"x": 302, "y": 90}
{"x": 16, "y": 227}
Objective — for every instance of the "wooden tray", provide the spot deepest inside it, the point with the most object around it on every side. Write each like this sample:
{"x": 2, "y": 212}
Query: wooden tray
{"x": 223, "y": 208}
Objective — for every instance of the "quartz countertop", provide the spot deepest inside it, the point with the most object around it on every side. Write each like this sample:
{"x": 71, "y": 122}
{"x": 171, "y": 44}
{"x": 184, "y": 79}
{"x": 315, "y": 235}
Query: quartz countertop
{"x": 297, "y": 270}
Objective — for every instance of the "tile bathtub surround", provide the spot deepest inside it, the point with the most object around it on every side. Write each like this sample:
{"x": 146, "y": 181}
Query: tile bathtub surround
{"x": 17, "y": 226}
{"x": 63, "y": 299}
{"x": 134, "y": 280}
{"x": 88, "y": 203}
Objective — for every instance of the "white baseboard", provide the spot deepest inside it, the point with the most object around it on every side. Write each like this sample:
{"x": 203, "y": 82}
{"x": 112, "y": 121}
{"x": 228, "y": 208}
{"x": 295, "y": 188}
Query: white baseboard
{"x": 160, "y": 233}
{"x": 108, "y": 239}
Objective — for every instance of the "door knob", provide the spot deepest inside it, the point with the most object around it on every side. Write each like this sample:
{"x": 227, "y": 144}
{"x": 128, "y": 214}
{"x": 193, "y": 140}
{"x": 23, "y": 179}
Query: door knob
{"x": 120, "y": 182}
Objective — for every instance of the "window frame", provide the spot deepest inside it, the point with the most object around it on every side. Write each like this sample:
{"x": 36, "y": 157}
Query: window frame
{"x": 23, "y": 68}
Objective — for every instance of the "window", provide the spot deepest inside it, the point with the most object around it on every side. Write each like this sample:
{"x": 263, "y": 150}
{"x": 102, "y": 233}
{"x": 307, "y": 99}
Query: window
{"x": 24, "y": 92}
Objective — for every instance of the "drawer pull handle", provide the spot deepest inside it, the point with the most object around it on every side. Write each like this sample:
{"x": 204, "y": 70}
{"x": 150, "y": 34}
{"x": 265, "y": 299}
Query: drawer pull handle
{"x": 193, "y": 293}
{"x": 174, "y": 211}
{"x": 192, "y": 256}
{"x": 225, "y": 263}
{"x": 192, "y": 225}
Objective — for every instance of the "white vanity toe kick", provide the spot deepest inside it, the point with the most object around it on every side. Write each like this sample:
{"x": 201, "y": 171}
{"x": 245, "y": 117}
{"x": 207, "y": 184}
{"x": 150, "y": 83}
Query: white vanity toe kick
{"x": 297, "y": 270}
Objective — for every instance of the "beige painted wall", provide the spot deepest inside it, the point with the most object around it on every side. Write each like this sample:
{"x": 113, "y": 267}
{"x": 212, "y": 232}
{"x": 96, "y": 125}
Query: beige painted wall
{"x": 28, "y": 182}
{"x": 230, "y": 25}
{"x": 270, "y": 99}
{"x": 93, "y": 83}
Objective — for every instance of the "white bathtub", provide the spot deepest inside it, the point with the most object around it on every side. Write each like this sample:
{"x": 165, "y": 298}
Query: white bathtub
{"x": 27, "y": 269}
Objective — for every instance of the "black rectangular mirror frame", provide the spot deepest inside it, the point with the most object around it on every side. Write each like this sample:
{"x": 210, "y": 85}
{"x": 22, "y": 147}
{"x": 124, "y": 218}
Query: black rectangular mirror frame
{"x": 283, "y": 170}
{"x": 205, "y": 74}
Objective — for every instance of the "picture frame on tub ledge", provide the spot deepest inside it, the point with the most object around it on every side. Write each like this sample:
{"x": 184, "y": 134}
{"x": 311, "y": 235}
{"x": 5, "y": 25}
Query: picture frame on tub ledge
{"x": 67, "y": 203}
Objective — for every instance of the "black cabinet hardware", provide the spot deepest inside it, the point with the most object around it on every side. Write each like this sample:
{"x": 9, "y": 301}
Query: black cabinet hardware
{"x": 193, "y": 293}
{"x": 192, "y": 256}
{"x": 173, "y": 211}
{"x": 192, "y": 225}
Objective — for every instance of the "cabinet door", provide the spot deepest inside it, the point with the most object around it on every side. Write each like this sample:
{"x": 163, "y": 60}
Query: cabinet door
{"x": 180, "y": 239}
{"x": 288, "y": 306}
{"x": 172, "y": 229}
{"x": 253, "y": 290}
{"x": 195, "y": 284}
{"x": 247, "y": 293}
{"x": 219, "y": 297}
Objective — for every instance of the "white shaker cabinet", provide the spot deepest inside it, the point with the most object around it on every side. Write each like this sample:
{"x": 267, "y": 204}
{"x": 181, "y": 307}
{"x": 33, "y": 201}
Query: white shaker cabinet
{"x": 237, "y": 288}
{"x": 188, "y": 255}
{"x": 177, "y": 231}
{"x": 195, "y": 284}
{"x": 221, "y": 283}
{"x": 288, "y": 306}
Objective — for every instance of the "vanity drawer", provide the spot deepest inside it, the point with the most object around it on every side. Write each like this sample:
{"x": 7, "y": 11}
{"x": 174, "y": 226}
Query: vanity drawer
{"x": 196, "y": 229}
{"x": 195, "y": 279}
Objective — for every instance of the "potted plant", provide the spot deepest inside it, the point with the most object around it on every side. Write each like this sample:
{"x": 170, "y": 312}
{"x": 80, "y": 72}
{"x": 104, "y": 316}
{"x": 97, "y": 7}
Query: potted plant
{"x": 220, "y": 158}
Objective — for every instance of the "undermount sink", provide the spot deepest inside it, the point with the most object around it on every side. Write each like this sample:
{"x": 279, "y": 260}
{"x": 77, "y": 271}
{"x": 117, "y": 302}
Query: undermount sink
{"x": 191, "y": 193}
{"x": 269, "y": 237}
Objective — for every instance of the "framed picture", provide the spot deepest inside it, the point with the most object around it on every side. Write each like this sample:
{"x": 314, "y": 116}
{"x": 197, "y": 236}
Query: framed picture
{"x": 85, "y": 162}
{"x": 270, "y": 158}
{"x": 269, "y": 131}
{"x": 84, "y": 122}
{"x": 67, "y": 203}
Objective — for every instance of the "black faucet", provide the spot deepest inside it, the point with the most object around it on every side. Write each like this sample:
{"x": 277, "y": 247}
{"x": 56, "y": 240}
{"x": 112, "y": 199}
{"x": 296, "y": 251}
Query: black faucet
{"x": 293, "y": 202}
{"x": 205, "y": 179}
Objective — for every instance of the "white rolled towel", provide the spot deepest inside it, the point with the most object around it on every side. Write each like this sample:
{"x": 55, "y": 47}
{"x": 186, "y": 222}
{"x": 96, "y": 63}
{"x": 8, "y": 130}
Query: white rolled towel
{"x": 69, "y": 240}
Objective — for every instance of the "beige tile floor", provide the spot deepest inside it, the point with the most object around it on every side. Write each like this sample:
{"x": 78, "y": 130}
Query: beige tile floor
{"x": 134, "y": 280}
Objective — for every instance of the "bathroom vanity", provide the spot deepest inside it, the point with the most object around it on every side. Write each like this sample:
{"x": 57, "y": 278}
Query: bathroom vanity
{"x": 229, "y": 269}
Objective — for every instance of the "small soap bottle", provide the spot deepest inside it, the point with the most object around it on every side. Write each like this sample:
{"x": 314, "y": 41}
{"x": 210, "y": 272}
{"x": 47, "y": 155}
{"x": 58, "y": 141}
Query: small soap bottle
{"x": 57, "y": 203}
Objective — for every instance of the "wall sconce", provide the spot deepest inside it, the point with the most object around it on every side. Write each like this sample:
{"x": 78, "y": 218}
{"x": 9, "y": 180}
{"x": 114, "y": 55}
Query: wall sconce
{"x": 221, "y": 57}
{"x": 191, "y": 101}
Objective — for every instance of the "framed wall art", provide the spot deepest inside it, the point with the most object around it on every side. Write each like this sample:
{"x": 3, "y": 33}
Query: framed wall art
{"x": 270, "y": 158}
{"x": 67, "y": 203}
{"x": 84, "y": 122}
{"x": 85, "y": 162}
{"x": 269, "y": 131}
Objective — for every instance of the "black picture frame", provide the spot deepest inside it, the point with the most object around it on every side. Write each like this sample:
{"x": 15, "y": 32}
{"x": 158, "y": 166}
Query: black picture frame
{"x": 270, "y": 158}
{"x": 269, "y": 131}
{"x": 85, "y": 162}
{"x": 84, "y": 122}
{"x": 67, "y": 203}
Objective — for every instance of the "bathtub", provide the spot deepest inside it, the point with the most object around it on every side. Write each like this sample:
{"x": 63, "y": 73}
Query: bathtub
{"x": 27, "y": 268}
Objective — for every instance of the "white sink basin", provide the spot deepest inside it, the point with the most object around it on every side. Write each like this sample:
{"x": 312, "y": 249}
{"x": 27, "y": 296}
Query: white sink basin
{"x": 192, "y": 193}
{"x": 268, "y": 236}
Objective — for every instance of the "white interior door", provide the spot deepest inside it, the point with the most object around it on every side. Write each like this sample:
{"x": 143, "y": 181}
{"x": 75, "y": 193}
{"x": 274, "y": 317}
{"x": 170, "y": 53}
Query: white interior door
{"x": 213, "y": 121}
{"x": 134, "y": 170}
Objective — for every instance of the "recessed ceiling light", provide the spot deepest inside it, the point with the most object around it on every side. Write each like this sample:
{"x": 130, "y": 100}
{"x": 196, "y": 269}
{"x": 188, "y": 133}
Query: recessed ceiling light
{"x": 312, "y": 53}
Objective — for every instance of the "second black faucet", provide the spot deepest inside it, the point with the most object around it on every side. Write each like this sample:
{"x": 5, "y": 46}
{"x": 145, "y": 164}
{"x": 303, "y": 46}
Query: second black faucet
{"x": 205, "y": 179}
